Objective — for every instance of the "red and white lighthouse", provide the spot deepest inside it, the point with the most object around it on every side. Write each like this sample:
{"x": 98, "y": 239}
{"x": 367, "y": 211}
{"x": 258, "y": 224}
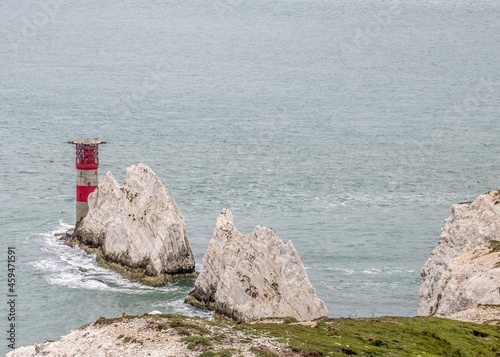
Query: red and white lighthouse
{"x": 87, "y": 163}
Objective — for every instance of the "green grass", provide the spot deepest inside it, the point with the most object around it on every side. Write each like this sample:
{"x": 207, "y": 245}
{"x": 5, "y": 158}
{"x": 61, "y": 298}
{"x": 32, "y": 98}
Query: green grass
{"x": 220, "y": 337}
{"x": 194, "y": 342}
{"x": 130, "y": 339}
{"x": 382, "y": 336}
{"x": 262, "y": 352}
{"x": 396, "y": 336}
{"x": 187, "y": 328}
{"x": 112, "y": 320}
{"x": 221, "y": 353}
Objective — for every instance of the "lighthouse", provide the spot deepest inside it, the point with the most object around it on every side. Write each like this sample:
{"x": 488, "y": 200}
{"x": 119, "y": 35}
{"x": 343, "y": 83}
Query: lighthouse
{"x": 87, "y": 163}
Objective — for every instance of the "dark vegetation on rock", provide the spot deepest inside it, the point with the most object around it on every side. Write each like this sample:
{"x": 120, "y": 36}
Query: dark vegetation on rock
{"x": 137, "y": 229}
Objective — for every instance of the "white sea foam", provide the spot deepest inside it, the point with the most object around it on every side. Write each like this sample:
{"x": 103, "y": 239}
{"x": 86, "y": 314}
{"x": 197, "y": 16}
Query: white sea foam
{"x": 74, "y": 268}
{"x": 342, "y": 270}
{"x": 371, "y": 271}
{"x": 179, "y": 307}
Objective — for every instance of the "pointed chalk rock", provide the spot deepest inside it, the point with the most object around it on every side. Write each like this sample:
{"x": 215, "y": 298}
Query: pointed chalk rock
{"x": 463, "y": 271}
{"x": 254, "y": 276}
{"x": 138, "y": 225}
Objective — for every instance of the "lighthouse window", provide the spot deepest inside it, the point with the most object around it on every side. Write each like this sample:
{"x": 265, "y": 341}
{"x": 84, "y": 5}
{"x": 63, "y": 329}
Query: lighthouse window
{"x": 88, "y": 183}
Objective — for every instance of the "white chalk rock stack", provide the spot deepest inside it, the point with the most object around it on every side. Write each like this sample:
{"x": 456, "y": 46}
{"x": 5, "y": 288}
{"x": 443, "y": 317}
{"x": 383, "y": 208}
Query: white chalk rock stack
{"x": 463, "y": 271}
{"x": 254, "y": 276}
{"x": 138, "y": 225}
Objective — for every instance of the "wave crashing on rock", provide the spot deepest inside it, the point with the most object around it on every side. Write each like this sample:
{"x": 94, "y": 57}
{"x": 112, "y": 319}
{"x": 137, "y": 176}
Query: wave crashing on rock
{"x": 137, "y": 227}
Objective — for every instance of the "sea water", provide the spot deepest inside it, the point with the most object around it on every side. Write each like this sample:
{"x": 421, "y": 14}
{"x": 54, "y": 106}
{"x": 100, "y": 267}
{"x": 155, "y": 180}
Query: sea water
{"x": 349, "y": 127}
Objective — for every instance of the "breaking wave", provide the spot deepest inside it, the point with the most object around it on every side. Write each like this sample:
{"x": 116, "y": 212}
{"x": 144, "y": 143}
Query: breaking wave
{"x": 72, "y": 267}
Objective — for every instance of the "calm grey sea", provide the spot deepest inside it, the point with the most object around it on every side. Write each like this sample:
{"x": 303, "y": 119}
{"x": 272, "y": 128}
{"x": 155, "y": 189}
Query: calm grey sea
{"x": 348, "y": 126}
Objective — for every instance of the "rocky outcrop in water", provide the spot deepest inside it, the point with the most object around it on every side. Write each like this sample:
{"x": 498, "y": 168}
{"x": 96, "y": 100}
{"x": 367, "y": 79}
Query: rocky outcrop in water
{"x": 138, "y": 226}
{"x": 463, "y": 272}
{"x": 254, "y": 276}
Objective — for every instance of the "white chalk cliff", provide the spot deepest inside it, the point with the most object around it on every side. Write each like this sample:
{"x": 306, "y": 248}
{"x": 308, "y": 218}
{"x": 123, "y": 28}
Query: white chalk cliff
{"x": 463, "y": 272}
{"x": 254, "y": 276}
{"x": 138, "y": 225}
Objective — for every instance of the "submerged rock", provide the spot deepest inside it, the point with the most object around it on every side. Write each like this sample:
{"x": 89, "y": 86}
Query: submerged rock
{"x": 254, "y": 276}
{"x": 463, "y": 271}
{"x": 138, "y": 226}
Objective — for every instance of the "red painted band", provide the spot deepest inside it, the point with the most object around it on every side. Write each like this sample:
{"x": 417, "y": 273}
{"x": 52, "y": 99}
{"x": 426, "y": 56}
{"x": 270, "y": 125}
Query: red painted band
{"x": 83, "y": 192}
{"x": 80, "y": 166}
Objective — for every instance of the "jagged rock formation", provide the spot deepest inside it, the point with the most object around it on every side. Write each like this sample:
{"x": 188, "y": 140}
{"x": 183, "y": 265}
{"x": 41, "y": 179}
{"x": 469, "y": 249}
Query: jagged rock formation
{"x": 463, "y": 271}
{"x": 254, "y": 276}
{"x": 138, "y": 226}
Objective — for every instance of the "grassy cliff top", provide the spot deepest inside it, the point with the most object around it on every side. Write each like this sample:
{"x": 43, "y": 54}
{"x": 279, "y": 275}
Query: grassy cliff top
{"x": 175, "y": 335}
{"x": 381, "y": 336}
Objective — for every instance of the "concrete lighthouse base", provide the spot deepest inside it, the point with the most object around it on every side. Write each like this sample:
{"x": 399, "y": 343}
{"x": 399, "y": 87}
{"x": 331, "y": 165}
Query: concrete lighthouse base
{"x": 82, "y": 209}
{"x": 86, "y": 183}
